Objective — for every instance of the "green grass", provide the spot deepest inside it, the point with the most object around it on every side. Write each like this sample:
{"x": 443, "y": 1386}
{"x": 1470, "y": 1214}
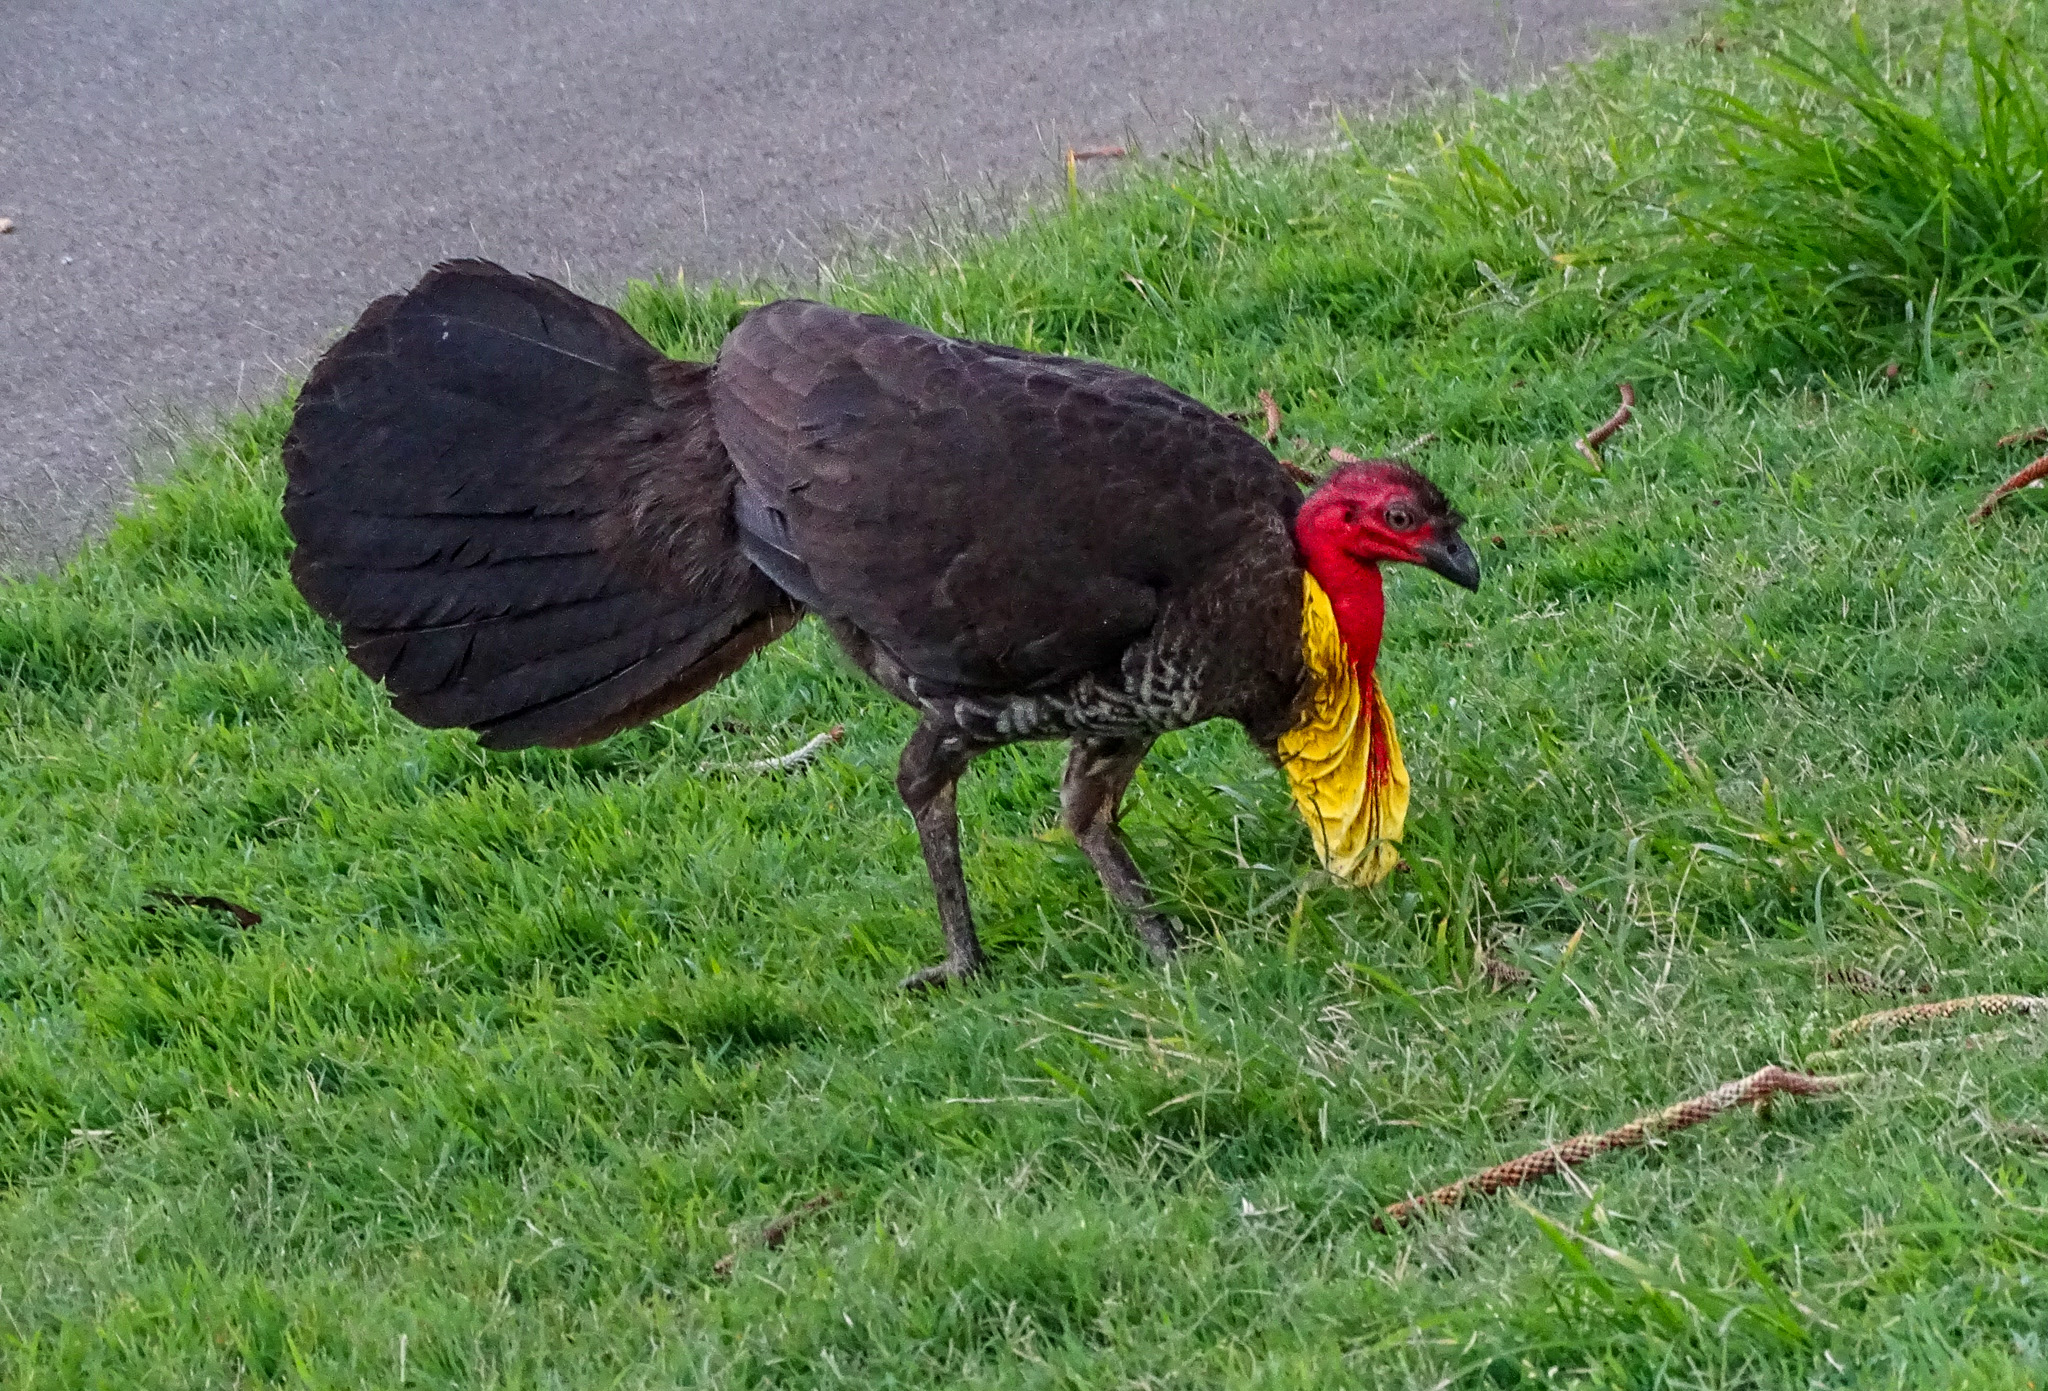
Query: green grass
{"x": 525, "y": 1043}
{"x": 1893, "y": 188}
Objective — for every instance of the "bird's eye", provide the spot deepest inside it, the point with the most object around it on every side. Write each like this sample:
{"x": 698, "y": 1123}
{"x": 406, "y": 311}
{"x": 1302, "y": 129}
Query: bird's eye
{"x": 1399, "y": 517}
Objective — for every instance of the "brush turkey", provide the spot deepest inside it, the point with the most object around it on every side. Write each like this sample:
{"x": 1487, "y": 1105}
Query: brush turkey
{"x": 528, "y": 522}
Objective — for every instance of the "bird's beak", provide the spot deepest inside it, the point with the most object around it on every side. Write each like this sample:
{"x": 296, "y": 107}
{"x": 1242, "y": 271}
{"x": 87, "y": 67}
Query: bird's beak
{"x": 1449, "y": 556}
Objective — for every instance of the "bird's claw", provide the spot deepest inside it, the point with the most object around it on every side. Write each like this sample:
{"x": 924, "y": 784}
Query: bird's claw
{"x": 1158, "y": 936}
{"x": 946, "y": 973}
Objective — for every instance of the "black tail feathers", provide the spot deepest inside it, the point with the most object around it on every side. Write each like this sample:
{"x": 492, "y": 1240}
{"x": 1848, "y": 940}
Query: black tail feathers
{"x": 520, "y": 514}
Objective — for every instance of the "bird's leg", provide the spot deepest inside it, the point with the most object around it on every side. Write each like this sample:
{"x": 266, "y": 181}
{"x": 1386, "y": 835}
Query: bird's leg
{"x": 1098, "y": 771}
{"x": 932, "y": 763}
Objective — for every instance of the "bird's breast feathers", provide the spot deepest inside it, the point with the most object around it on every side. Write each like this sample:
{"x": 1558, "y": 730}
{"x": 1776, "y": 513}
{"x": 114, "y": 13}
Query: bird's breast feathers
{"x": 1342, "y": 756}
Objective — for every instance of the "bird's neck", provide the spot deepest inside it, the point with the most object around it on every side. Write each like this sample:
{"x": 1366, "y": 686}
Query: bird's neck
{"x": 1357, "y": 600}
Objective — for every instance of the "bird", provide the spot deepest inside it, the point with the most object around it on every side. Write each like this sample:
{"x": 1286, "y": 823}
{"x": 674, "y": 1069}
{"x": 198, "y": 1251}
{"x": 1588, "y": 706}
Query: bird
{"x": 528, "y": 522}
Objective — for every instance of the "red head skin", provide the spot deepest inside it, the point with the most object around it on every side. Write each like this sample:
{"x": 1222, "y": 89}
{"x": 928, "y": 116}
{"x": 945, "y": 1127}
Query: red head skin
{"x": 1363, "y": 515}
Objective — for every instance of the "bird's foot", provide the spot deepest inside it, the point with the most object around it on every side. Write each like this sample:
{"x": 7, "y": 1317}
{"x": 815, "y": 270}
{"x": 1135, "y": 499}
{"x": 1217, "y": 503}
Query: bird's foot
{"x": 1159, "y": 937}
{"x": 946, "y": 973}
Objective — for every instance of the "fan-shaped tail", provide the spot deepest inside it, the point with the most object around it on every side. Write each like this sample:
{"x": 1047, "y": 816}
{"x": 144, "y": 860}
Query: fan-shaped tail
{"x": 520, "y": 513}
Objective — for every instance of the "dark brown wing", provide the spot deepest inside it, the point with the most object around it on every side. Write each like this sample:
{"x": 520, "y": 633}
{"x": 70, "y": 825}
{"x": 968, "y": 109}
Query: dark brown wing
{"x": 519, "y": 513}
{"x": 998, "y": 520}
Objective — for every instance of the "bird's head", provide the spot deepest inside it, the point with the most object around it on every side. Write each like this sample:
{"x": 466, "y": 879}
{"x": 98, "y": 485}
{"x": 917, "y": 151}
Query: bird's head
{"x": 1379, "y": 510}
{"x": 1341, "y": 755}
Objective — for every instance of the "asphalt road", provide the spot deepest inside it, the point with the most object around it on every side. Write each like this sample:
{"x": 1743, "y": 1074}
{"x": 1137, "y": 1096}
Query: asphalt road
{"x": 206, "y": 190}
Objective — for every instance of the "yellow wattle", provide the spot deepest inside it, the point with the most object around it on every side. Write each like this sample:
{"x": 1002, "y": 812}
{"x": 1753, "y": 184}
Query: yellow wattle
{"x": 1355, "y": 819}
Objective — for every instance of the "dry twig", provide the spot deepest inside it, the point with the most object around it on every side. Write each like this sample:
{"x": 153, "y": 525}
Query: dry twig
{"x": 1869, "y": 982}
{"x": 1942, "y": 1009}
{"x": 2037, "y": 435}
{"x": 1337, "y": 456}
{"x": 2026, "y": 478}
{"x": 244, "y": 917}
{"x": 1828, "y": 1057}
{"x": 1074, "y": 158}
{"x": 1590, "y": 442}
{"x": 781, "y": 763}
{"x": 1750, "y": 1090}
{"x": 1272, "y": 409}
{"x": 776, "y": 1232}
